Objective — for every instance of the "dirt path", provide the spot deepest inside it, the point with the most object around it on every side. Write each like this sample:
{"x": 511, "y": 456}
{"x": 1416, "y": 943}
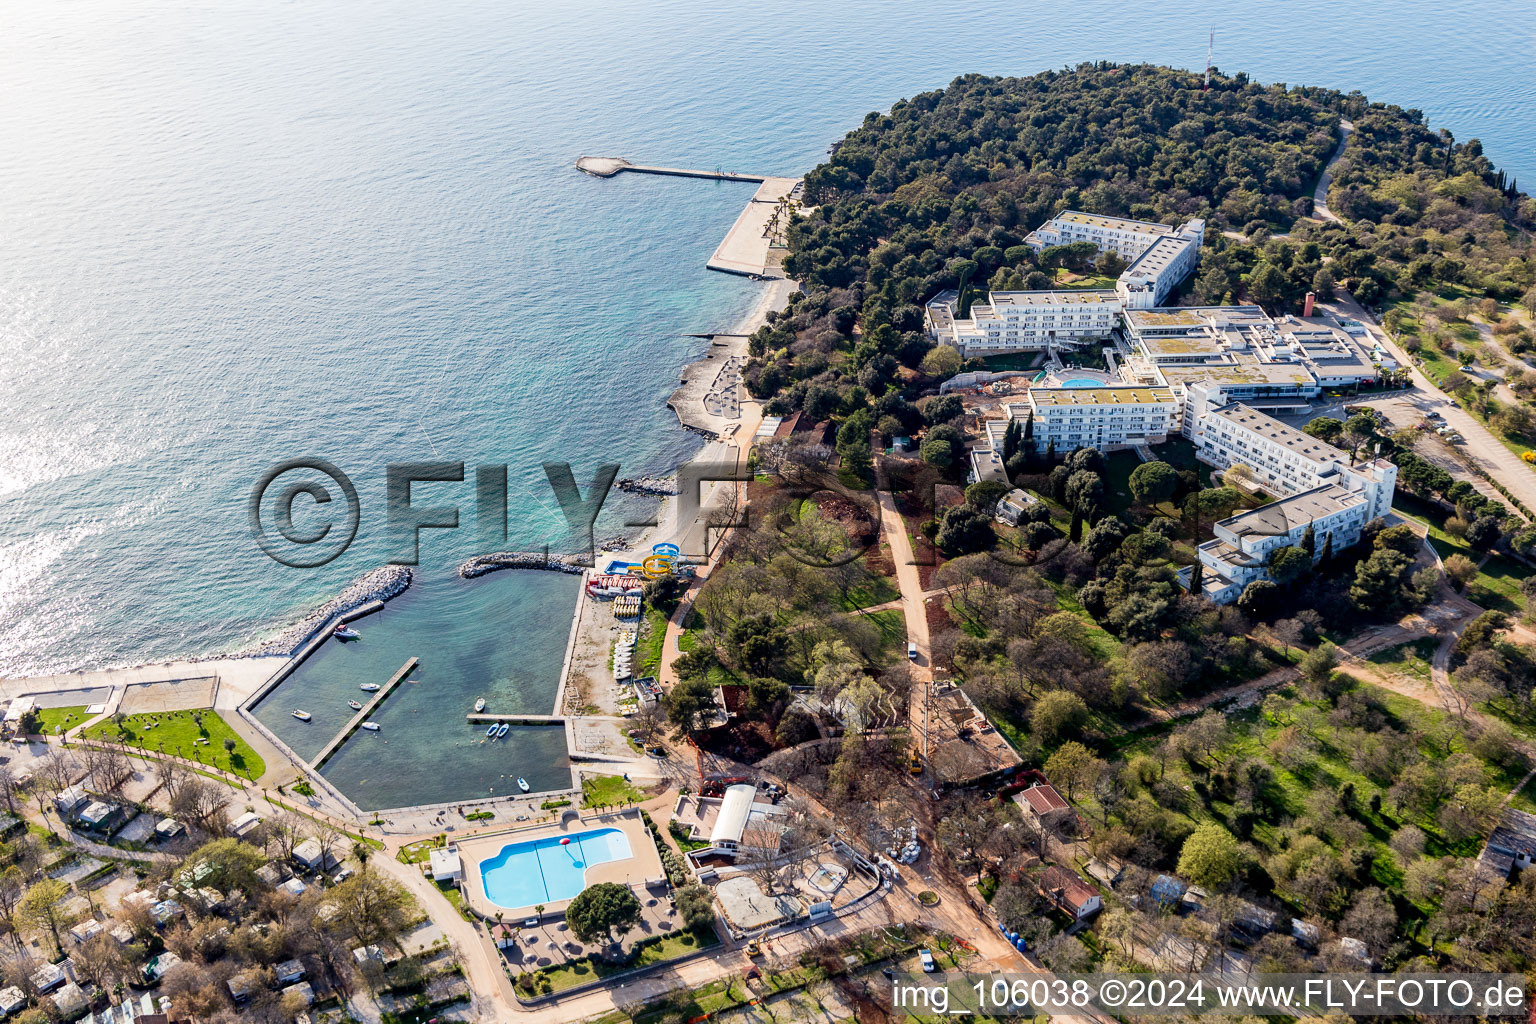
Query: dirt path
{"x": 1320, "y": 194}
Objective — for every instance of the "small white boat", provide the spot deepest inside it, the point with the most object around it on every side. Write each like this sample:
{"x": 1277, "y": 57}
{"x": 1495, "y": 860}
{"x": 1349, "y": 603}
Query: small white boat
{"x": 502, "y": 730}
{"x": 479, "y": 704}
{"x": 302, "y": 716}
{"x": 346, "y": 633}
{"x": 490, "y": 732}
{"x": 354, "y": 705}
{"x": 369, "y": 687}
{"x": 370, "y": 726}
{"x": 522, "y": 784}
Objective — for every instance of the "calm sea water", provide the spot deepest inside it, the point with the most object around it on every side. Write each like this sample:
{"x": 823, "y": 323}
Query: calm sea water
{"x": 234, "y": 233}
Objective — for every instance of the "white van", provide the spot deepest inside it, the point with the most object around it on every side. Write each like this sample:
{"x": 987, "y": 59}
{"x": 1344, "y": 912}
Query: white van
{"x": 911, "y": 651}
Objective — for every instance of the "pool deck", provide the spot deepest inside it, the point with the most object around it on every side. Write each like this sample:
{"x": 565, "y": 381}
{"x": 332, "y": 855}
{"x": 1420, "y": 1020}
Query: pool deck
{"x": 636, "y": 871}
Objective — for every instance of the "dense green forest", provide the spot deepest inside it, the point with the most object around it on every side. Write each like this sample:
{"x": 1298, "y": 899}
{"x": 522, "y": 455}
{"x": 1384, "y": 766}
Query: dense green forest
{"x": 947, "y": 184}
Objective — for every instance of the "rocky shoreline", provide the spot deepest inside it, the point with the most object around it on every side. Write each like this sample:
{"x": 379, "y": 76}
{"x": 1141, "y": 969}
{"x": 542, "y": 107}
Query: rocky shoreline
{"x": 377, "y": 585}
{"x": 482, "y": 564}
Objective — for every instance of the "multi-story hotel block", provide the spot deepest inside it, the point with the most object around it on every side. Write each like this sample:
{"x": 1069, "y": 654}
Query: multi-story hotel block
{"x": 1159, "y": 256}
{"x": 1025, "y": 321}
{"x": 1105, "y": 418}
{"x": 1239, "y": 552}
{"x": 1284, "y": 461}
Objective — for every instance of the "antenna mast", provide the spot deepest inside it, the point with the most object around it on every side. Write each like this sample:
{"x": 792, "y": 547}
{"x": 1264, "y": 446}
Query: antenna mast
{"x": 1210, "y": 45}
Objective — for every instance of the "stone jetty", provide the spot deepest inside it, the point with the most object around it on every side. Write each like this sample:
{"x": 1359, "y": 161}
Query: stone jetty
{"x": 379, "y": 585}
{"x": 482, "y": 564}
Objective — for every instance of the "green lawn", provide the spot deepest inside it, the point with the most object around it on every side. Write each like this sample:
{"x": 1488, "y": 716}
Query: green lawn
{"x": 53, "y": 721}
{"x": 178, "y": 732}
{"x": 1411, "y": 659}
{"x": 870, "y": 590}
{"x": 892, "y": 624}
{"x": 653, "y": 634}
{"x": 608, "y": 791}
{"x": 1497, "y": 583}
{"x": 420, "y": 851}
{"x": 1525, "y": 800}
{"x": 560, "y": 977}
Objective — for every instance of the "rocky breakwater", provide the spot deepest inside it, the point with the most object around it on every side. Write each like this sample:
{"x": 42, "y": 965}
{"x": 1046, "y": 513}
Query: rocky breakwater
{"x": 482, "y": 564}
{"x": 378, "y": 585}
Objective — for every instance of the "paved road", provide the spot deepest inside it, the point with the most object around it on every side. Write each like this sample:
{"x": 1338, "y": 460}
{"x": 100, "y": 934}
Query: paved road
{"x": 1320, "y": 194}
{"x": 1482, "y": 447}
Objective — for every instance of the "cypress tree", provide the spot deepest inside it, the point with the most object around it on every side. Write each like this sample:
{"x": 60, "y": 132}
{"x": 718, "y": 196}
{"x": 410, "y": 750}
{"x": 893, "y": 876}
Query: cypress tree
{"x": 1010, "y": 441}
{"x": 1309, "y": 541}
{"x": 1328, "y": 548}
{"x": 1050, "y": 451}
{"x": 1077, "y": 526}
{"x": 1196, "y": 571}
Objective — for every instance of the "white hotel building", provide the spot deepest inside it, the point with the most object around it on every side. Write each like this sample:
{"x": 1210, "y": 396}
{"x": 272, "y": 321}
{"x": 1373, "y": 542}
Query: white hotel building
{"x": 1024, "y": 321}
{"x": 1105, "y": 418}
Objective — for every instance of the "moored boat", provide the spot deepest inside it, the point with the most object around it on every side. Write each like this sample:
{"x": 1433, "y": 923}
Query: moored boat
{"x": 370, "y": 726}
{"x": 344, "y": 632}
{"x": 479, "y": 704}
{"x": 490, "y": 732}
{"x": 502, "y": 730}
{"x": 354, "y": 705}
{"x": 522, "y": 784}
{"x": 369, "y": 687}
{"x": 302, "y": 715}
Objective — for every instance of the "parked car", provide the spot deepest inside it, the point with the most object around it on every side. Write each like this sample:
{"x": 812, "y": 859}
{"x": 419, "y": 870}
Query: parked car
{"x": 927, "y": 958}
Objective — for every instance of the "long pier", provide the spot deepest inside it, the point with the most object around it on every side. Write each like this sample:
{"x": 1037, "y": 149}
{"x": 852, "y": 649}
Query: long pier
{"x": 362, "y": 716}
{"x": 486, "y": 717}
{"x": 608, "y": 166}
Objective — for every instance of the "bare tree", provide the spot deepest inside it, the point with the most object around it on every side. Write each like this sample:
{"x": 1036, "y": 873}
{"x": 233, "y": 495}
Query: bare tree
{"x": 202, "y": 803}
{"x": 648, "y": 721}
{"x": 9, "y": 790}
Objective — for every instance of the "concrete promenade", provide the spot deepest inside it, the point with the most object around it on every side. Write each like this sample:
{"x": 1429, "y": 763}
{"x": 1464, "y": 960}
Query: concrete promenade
{"x": 747, "y": 248}
{"x": 362, "y": 716}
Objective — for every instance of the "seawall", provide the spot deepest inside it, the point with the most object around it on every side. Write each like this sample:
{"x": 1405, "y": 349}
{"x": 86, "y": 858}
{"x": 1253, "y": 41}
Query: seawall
{"x": 482, "y": 564}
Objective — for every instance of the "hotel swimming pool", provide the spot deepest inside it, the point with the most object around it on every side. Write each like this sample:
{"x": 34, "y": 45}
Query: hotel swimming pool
{"x": 1082, "y": 382}
{"x": 542, "y": 871}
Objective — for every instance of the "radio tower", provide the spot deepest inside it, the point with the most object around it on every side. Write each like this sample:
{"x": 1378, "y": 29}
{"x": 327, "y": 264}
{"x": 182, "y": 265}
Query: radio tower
{"x": 1210, "y": 44}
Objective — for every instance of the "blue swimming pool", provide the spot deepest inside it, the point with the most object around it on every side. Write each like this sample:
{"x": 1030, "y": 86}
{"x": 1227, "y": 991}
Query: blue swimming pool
{"x": 1082, "y": 382}
{"x": 542, "y": 871}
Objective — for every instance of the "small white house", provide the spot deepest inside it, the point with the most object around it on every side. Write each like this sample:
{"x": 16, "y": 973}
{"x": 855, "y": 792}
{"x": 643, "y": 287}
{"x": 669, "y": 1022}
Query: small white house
{"x": 293, "y": 887}
{"x": 70, "y": 999}
{"x": 48, "y": 977}
{"x": 70, "y": 800}
{"x": 96, "y": 814}
{"x": 446, "y": 865}
{"x": 290, "y": 971}
{"x": 242, "y": 825}
{"x": 157, "y": 966}
{"x": 168, "y": 828}
{"x": 309, "y": 856}
{"x": 12, "y": 999}
{"x": 85, "y": 930}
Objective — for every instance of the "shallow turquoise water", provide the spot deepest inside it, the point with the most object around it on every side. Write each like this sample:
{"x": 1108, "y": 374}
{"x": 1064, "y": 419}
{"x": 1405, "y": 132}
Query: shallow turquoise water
{"x": 544, "y": 871}
{"x": 501, "y": 637}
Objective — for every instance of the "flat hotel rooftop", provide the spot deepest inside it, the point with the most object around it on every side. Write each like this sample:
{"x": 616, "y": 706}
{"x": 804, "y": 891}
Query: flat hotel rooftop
{"x": 1057, "y": 297}
{"x": 1128, "y": 395}
{"x": 1118, "y": 223}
